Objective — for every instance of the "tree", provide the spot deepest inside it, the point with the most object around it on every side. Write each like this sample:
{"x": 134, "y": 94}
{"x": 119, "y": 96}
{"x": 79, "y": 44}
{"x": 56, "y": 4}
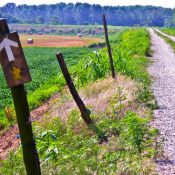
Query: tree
{"x": 55, "y": 20}
{"x": 174, "y": 17}
{"x": 83, "y": 13}
{"x": 39, "y": 20}
{"x": 68, "y": 12}
{"x": 96, "y": 14}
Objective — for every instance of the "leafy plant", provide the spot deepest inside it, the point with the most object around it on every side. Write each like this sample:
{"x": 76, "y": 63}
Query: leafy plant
{"x": 135, "y": 132}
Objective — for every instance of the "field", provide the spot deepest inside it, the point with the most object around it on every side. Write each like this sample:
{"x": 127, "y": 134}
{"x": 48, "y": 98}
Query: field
{"x": 70, "y": 146}
{"x": 42, "y": 61}
{"x": 85, "y": 30}
{"x": 58, "y": 41}
{"x": 44, "y": 70}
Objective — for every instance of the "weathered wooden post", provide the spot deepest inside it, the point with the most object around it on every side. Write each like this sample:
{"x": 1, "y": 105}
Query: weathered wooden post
{"x": 17, "y": 73}
{"x": 108, "y": 47}
{"x": 79, "y": 102}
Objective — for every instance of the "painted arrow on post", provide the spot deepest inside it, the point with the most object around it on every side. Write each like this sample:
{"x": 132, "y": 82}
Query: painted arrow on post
{"x": 7, "y": 44}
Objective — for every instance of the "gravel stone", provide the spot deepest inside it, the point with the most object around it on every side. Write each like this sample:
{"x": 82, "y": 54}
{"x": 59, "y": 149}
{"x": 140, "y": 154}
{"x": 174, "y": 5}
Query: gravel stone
{"x": 163, "y": 73}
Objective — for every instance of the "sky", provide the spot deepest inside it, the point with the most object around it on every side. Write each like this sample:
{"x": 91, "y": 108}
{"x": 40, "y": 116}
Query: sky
{"x": 163, "y": 3}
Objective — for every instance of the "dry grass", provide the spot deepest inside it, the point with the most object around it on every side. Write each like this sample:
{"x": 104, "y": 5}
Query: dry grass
{"x": 97, "y": 96}
{"x": 57, "y": 41}
{"x": 100, "y": 94}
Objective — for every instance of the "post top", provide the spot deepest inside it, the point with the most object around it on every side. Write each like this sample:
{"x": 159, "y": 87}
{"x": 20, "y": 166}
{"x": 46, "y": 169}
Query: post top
{"x": 4, "y": 29}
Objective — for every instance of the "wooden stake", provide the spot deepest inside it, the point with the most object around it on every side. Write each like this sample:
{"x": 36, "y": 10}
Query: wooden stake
{"x": 79, "y": 102}
{"x": 30, "y": 154}
{"x": 108, "y": 47}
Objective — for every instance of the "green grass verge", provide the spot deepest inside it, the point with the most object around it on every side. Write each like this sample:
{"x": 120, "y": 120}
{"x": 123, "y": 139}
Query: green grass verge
{"x": 169, "y": 31}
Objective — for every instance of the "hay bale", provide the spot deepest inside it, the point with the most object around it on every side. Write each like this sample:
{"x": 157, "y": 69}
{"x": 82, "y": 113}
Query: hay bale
{"x": 80, "y": 35}
{"x": 30, "y": 41}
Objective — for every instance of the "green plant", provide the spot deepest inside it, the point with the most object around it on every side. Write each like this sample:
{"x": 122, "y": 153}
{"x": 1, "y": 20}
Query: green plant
{"x": 135, "y": 132}
{"x": 169, "y": 31}
{"x": 46, "y": 79}
{"x": 72, "y": 147}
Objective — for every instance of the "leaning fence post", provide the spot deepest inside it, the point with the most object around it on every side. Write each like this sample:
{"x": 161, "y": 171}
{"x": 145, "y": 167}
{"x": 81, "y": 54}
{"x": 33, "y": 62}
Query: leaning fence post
{"x": 16, "y": 73}
{"x": 79, "y": 102}
{"x": 108, "y": 47}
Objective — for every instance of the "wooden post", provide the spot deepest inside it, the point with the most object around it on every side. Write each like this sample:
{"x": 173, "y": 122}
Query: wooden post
{"x": 30, "y": 154}
{"x": 108, "y": 47}
{"x": 79, "y": 102}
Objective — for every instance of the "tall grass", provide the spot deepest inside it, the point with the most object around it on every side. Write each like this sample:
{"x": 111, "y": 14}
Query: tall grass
{"x": 130, "y": 58}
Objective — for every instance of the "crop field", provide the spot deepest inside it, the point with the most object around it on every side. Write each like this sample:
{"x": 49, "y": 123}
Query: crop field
{"x": 44, "y": 70}
{"x": 58, "y": 41}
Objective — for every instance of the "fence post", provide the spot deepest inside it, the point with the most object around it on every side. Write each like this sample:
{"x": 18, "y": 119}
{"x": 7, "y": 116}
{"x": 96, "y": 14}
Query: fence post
{"x": 79, "y": 102}
{"x": 30, "y": 154}
{"x": 108, "y": 47}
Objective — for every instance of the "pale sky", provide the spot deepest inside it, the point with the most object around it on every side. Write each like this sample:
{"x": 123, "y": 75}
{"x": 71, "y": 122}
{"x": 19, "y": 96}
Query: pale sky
{"x": 163, "y": 3}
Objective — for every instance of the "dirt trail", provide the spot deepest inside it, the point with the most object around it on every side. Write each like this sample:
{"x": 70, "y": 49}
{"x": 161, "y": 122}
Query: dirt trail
{"x": 164, "y": 34}
{"x": 163, "y": 73}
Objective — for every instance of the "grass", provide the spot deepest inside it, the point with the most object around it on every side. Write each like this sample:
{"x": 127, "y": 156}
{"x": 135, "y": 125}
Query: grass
{"x": 71, "y": 146}
{"x": 168, "y": 40}
{"x": 46, "y": 79}
{"x": 170, "y": 31}
{"x": 44, "y": 70}
{"x": 91, "y": 67}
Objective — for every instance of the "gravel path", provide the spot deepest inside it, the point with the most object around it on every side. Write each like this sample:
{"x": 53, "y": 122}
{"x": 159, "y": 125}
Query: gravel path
{"x": 163, "y": 73}
{"x": 168, "y": 36}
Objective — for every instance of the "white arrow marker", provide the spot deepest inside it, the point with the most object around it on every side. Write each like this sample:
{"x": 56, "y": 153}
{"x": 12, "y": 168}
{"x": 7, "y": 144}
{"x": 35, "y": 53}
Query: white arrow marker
{"x": 7, "y": 44}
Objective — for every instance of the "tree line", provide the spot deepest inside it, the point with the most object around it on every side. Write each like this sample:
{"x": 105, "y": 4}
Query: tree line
{"x": 84, "y": 13}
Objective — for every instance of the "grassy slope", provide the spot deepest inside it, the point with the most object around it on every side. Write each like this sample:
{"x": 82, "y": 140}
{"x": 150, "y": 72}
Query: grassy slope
{"x": 72, "y": 147}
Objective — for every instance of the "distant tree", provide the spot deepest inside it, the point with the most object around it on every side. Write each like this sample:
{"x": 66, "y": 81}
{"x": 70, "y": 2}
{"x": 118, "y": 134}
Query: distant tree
{"x": 39, "y": 20}
{"x": 96, "y": 14}
{"x": 174, "y": 16}
{"x": 55, "y": 20}
{"x": 83, "y": 13}
{"x": 68, "y": 14}
{"x": 9, "y": 7}
{"x": 59, "y": 12}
